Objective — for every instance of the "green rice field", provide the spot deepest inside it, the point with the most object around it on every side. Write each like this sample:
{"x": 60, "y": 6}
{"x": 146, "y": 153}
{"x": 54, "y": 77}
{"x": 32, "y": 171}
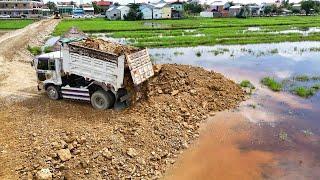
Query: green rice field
{"x": 14, "y": 24}
{"x": 202, "y": 31}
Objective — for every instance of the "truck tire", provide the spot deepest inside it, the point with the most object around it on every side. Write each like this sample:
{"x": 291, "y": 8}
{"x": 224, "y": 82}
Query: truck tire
{"x": 102, "y": 100}
{"x": 53, "y": 92}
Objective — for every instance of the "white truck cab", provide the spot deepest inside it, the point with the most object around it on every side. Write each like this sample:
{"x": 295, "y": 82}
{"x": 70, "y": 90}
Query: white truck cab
{"x": 82, "y": 73}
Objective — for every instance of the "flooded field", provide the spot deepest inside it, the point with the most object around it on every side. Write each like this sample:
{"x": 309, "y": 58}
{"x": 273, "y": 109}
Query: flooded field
{"x": 273, "y": 135}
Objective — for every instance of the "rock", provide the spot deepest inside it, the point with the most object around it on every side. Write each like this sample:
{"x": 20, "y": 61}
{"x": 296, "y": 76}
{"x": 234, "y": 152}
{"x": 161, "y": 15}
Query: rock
{"x": 64, "y": 154}
{"x": 174, "y": 92}
{"x": 106, "y": 153}
{"x": 141, "y": 161}
{"x": 160, "y": 91}
{"x": 212, "y": 114}
{"x": 185, "y": 145}
{"x": 82, "y": 140}
{"x": 132, "y": 152}
{"x": 44, "y": 174}
{"x": 193, "y": 92}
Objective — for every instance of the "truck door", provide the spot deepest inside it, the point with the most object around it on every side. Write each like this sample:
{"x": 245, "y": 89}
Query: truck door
{"x": 46, "y": 70}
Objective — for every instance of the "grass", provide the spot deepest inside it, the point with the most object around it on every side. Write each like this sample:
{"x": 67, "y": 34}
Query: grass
{"x": 175, "y": 33}
{"x": 271, "y": 84}
{"x": 14, "y": 24}
{"x": 302, "y": 78}
{"x": 304, "y": 91}
{"x": 48, "y": 49}
{"x": 247, "y": 83}
{"x": 34, "y": 50}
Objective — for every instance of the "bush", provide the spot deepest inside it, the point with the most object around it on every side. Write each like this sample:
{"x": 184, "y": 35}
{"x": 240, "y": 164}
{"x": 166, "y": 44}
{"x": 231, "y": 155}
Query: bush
{"x": 271, "y": 84}
{"x": 246, "y": 83}
{"x": 304, "y": 91}
{"x": 36, "y": 50}
{"x": 48, "y": 49}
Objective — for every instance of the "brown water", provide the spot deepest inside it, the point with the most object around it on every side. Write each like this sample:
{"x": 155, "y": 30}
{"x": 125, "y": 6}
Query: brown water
{"x": 270, "y": 136}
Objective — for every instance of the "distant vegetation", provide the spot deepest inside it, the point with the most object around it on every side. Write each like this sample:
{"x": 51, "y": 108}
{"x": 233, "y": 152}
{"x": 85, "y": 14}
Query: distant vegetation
{"x": 14, "y": 24}
{"x": 198, "y": 31}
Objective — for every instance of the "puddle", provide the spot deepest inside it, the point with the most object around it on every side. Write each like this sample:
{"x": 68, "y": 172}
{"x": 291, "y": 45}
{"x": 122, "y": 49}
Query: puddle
{"x": 282, "y": 141}
{"x": 156, "y": 25}
{"x": 304, "y": 31}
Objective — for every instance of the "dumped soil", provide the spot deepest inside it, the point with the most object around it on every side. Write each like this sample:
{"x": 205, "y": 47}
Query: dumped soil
{"x": 139, "y": 142}
{"x": 107, "y": 46}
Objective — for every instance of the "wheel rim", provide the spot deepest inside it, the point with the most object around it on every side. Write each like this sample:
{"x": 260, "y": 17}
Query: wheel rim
{"x": 52, "y": 93}
{"x": 100, "y": 101}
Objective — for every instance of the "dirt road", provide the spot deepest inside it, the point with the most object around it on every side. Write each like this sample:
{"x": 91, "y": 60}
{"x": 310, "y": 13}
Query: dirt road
{"x": 16, "y": 74}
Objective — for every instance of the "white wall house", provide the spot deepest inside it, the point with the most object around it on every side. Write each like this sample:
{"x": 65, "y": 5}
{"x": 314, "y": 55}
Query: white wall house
{"x": 147, "y": 11}
{"x": 161, "y": 11}
{"x": 117, "y": 12}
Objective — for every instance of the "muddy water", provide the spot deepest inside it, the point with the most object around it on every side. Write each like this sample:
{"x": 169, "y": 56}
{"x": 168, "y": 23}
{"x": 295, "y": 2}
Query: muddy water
{"x": 270, "y": 136}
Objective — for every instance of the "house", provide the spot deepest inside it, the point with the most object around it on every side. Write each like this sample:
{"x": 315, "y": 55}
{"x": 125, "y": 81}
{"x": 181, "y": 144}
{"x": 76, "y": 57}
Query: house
{"x": 117, "y": 12}
{"x": 219, "y": 6}
{"x": 255, "y": 9}
{"x": 17, "y": 8}
{"x": 161, "y": 11}
{"x": 234, "y": 10}
{"x": 176, "y": 9}
{"x": 296, "y": 7}
{"x": 146, "y": 10}
{"x": 105, "y": 5}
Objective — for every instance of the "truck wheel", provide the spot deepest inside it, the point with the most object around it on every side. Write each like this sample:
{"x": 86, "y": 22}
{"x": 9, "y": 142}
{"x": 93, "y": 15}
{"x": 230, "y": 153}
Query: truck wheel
{"x": 53, "y": 92}
{"x": 102, "y": 100}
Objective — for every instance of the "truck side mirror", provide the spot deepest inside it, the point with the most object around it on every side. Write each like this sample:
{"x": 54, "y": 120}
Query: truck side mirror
{"x": 32, "y": 63}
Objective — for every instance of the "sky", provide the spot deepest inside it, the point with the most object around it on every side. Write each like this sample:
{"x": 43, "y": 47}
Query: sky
{"x": 153, "y": 1}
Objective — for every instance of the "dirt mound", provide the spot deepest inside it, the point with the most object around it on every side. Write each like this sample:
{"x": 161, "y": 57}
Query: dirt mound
{"x": 70, "y": 139}
{"x": 107, "y": 46}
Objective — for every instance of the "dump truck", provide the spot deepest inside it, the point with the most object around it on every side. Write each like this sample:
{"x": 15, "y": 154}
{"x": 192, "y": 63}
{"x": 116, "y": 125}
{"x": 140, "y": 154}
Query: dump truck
{"x": 93, "y": 70}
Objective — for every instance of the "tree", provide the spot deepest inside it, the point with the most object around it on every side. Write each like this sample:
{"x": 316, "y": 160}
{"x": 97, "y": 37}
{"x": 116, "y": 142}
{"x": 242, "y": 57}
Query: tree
{"x": 307, "y": 6}
{"x": 244, "y": 12}
{"x": 52, "y": 6}
{"x": 193, "y": 8}
{"x": 267, "y": 10}
{"x": 134, "y": 13}
{"x": 97, "y": 9}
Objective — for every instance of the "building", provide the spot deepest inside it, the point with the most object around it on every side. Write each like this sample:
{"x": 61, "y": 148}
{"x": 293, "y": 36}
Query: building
{"x": 255, "y": 9}
{"x": 66, "y": 8}
{"x": 117, "y": 12}
{"x": 219, "y": 6}
{"x": 161, "y": 11}
{"x": 234, "y": 10}
{"x": 105, "y": 5}
{"x": 18, "y": 8}
{"x": 88, "y": 9}
{"x": 176, "y": 9}
{"x": 146, "y": 10}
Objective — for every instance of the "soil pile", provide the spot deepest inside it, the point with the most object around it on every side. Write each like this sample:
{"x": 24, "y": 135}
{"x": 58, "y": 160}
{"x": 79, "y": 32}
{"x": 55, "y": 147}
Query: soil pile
{"x": 107, "y": 46}
{"x": 65, "y": 139}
